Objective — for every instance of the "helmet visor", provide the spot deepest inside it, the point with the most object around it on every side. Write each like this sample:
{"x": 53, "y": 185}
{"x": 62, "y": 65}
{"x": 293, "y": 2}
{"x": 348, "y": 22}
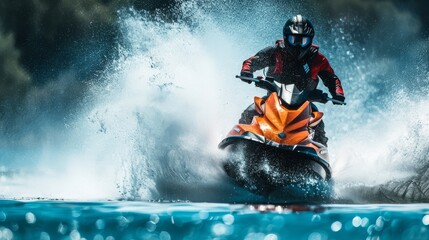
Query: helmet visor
{"x": 299, "y": 40}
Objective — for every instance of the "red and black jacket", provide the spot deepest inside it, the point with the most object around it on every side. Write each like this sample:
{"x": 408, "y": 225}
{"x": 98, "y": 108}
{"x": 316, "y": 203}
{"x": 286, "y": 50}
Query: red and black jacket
{"x": 304, "y": 74}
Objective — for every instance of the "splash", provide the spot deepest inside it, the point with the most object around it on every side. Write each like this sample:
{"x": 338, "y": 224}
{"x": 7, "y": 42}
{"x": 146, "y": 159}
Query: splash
{"x": 151, "y": 123}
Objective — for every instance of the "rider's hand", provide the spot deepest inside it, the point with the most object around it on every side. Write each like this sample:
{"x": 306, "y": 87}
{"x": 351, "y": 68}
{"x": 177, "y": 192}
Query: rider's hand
{"x": 324, "y": 98}
{"x": 318, "y": 95}
{"x": 338, "y": 98}
{"x": 246, "y": 74}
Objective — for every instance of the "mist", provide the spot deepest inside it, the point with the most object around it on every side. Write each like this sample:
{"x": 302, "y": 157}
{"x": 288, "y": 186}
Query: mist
{"x": 128, "y": 100}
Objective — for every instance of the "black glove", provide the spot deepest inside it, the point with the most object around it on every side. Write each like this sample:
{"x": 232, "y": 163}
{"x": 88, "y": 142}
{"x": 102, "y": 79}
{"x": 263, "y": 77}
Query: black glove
{"x": 338, "y": 98}
{"x": 324, "y": 98}
{"x": 246, "y": 74}
{"x": 318, "y": 95}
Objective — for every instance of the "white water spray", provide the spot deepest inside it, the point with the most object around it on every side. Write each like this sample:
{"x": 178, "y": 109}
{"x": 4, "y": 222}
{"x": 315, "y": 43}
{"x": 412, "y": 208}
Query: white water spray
{"x": 153, "y": 125}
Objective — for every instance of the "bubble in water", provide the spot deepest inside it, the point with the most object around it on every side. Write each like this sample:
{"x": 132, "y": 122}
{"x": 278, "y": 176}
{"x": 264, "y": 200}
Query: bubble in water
{"x": 122, "y": 221}
{"x": 98, "y": 237}
{"x": 62, "y": 229}
{"x": 357, "y": 221}
{"x": 74, "y": 235}
{"x": 219, "y": 229}
{"x": 164, "y": 236}
{"x": 6, "y": 233}
{"x": 228, "y": 219}
{"x": 44, "y": 236}
{"x": 315, "y": 236}
{"x": 2, "y": 216}
{"x": 30, "y": 218}
{"x": 150, "y": 226}
{"x": 365, "y": 222}
{"x": 336, "y": 226}
{"x": 76, "y": 213}
{"x": 425, "y": 220}
{"x": 100, "y": 224}
{"x": 154, "y": 218}
{"x": 271, "y": 236}
{"x": 379, "y": 223}
{"x": 203, "y": 215}
{"x": 15, "y": 227}
{"x": 252, "y": 236}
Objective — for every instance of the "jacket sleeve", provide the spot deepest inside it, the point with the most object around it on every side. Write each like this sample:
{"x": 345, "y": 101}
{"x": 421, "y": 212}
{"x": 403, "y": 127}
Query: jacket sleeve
{"x": 261, "y": 60}
{"x": 330, "y": 80}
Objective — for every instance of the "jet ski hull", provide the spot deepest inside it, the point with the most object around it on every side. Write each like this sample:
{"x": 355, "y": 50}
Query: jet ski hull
{"x": 265, "y": 166}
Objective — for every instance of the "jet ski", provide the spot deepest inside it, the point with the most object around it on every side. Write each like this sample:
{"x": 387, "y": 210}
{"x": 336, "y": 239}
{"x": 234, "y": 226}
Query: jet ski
{"x": 277, "y": 148}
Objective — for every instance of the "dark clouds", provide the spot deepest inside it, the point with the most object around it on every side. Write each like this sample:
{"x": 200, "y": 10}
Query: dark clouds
{"x": 41, "y": 38}
{"x": 13, "y": 76}
{"x": 48, "y": 50}
{"x": 386, "y": 12}
{"x": 384, "y": 23}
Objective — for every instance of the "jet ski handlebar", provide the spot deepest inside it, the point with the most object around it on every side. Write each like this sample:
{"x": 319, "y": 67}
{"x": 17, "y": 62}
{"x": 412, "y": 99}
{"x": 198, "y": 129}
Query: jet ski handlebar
{"x": 268, "y": 84}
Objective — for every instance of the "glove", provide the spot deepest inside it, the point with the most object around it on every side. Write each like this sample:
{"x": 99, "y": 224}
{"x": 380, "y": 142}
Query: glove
{"x": 318, "y": 95}
{"x": 246, "y": 74}
{"x": 339, "y": 98}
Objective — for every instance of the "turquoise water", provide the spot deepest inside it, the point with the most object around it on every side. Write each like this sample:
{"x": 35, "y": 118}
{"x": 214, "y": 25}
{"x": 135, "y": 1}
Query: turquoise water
{"x": 164, "y": 221}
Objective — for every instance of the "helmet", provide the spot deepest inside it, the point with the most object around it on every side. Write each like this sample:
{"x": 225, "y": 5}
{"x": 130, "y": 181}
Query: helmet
{"x": 298, "y": 34}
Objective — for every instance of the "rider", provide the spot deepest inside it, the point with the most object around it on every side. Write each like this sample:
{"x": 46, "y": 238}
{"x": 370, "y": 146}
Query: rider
{"x": 294, "y": 59}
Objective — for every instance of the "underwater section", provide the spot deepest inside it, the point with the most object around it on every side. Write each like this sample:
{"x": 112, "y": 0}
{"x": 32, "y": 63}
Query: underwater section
{"x": 164, "y": 221}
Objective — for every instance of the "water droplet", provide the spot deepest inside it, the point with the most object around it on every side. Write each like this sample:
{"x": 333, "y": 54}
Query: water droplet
{"x": 164, "y": 236}
{"x": 30, "y": 218}
{"x": 110, "y": 238}
{"x": 336, "y": 226}
{"x": 357, "y": 221}
{"x": 228, "y": 219}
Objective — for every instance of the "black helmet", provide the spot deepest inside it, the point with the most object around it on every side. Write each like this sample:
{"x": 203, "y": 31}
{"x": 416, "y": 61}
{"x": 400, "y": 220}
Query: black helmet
{"x": 298, "y": 34}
